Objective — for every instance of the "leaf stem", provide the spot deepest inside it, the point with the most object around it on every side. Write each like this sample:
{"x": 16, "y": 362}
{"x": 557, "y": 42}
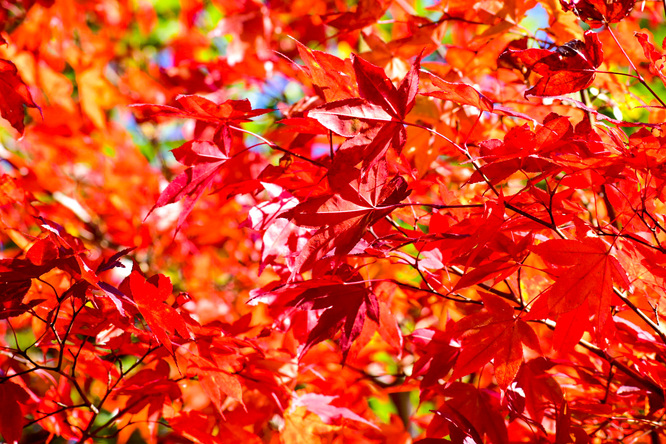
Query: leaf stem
{"x": 477, "y": 168}
{"x": 426, "y": 290}
{"x": 277, "y": 147}
{"x": 435, "y": 206}
{"x": 460, "y": 148}
{"x": 643, "y": 380}
{"x": 641, "y": 314}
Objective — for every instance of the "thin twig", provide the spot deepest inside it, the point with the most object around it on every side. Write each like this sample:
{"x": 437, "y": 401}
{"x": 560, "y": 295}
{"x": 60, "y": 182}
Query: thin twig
{"x": 641, "y": 314}
{"x": 631, "y": 63}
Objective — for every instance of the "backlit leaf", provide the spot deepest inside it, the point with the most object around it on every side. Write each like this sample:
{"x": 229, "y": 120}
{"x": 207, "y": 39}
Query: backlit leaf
{"x": 14, "y": 95}
{"x": 568, "y": 68}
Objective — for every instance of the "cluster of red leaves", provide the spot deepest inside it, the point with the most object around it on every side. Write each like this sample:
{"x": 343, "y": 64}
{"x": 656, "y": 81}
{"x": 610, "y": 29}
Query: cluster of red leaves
{"x": 423, "y": 236}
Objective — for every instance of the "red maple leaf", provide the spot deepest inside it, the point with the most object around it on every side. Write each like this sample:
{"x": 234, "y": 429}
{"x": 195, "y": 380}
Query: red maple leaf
{"x": 605, "y": 11}
{"x": 494, "y": 334}
{"x": 150, "y": 388}
{"x": 585, "y": 274}
{"x": 150, "y": 297}
{"x": 457, "y": 92}
{"x": 14, "y": 94}
{"x": 469, "y": 413}
{"x": 200, "y": 108}
{"x": 332, "y": 77}
{"x": 205, "y": 160}
{"x": 56, "y": 248}
{"x": 345, "y": 299}
{"x": 218, "y": 384}
{"x": 11, "y": 413}
{"x": 221, "y": 368}
{"x": 342, "y": 217}
{"x": 16, "y": 278}
{"x": 656, "y": 59}
{"x": 566, "y": 69}
{"x": 535, "y": 385}
{"x": 373, "y": 123}
{"x": 438, "y": 355}
{"x": 366, "y": 13}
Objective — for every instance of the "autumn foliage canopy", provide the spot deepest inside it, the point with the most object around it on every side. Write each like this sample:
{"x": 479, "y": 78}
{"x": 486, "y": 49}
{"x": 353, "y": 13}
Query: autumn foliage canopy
{"x": 328, "y": 221}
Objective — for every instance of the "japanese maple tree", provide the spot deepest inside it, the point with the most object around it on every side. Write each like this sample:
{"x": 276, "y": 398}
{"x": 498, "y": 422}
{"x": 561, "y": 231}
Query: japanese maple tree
{"x": 332, "y": 221}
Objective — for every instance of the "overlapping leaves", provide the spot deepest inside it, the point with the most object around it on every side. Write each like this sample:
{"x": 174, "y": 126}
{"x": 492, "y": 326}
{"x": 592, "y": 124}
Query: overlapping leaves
{"x": 495, "y": 334}
{"x": 204, "y": 158}
{"x": 566, "y": 69}
{"x": 341, "y": 217}
{"x": 344, "y": 300}
{"x": 586, "y": 272}
{"x": 605, "y": 11}
{"x": 373, "y": 122}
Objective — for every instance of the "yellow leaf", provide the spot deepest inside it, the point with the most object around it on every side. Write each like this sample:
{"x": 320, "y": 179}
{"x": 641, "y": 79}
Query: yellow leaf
{"x": 304, "y": 427}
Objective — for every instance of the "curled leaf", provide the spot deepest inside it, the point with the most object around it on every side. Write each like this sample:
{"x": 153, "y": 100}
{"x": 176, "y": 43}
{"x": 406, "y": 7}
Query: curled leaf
{"x": 605, "y": 11}
{"x": 566, "y": 69}
{"x": 460, "y": 93}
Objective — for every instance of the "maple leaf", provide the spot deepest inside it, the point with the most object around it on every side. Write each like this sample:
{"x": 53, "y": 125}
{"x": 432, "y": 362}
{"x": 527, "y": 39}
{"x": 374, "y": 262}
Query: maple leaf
{"x": 14, "y": 94}
{"x": 55, "y": 248}
{"x": 11, "y": 413}
{"x": 332, "y": 77}
{"x": 321, "y": 406}
{"x": 200, "y": 108}
{"x": 605, "y": 11}
{"x": 249, "y": 26}
{"x": 219, "y": 383}
{"x": 97, "y": 95}
{"x": 472, "y": 412}
{"x": 376, "y": 88}
{"x": 150, "y": 296}
{"x": 13, "y": 292}
{"x": 459, "y": 93}
{"x": 150, "y": 388}
{"x": 570, "y": 328}
{"x": 438, "y": 355}
{"x": 73, "y": 352}
{"x": 279, "y": 233}
{"x": 219, "y": 366}
{"x": 568, "y": 68}
{"x": 585, "y": 273}
{"x": 370, "y": 130}
{"x": 205, "y": 160}
{"x": 303, "y": 427}
{"x": 194, "y": 425}
{"x": 345, "y": 300}
{"x": 493, "y": 334}
{"x": 467, "y": 242}
{"x": 526, "y": 150}
{"x": 372, "y": 123}
{"x": 17, "y": 274}
{"x": 16, "y": 277}
{"x": 457, "y": 428}
{"x": 536, "y": 385}
{"x": 366, "y": 13}
{"x": 655, "y": 57}
{"x": 341, "y": 218}
{"x": 350, "y": 117}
